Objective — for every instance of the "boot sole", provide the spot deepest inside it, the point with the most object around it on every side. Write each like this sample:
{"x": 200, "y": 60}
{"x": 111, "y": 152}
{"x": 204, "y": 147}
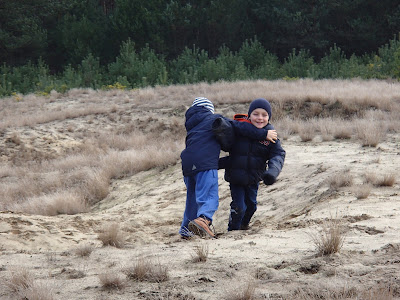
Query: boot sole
{"x": 198, "y": 230}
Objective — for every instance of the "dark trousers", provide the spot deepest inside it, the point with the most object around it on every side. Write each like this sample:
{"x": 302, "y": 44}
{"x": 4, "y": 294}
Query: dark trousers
{"x": 243, "y": 205}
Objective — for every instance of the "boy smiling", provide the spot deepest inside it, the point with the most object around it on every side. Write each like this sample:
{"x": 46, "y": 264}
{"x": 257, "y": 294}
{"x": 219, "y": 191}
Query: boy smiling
{"x": 245, "y": 166}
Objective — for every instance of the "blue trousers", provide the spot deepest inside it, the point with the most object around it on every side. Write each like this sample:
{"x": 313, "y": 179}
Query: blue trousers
{"x": 243, "y": 205}
{"x": 201, "y": 197}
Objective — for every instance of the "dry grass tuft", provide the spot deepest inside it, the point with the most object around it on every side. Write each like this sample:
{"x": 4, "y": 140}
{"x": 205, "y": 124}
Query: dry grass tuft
{"x": 22, "y": 285}
{"x": 385, "y": 180}
{"x": 244, "y": 291}
{"x": 84, "y": 250}
{"x": 342, "y": 179}
{"x": 342, "y": 131}
{"x": 146, "y": 270}
{"x": 361, "y": 191}
{"x": 326, "y": 293}
{"x": 330, "y": 239}
{"x": 381, "y": 292}
{"x": 20, "y": 279}
{"x": 38, "y": 291}
{"x": 111, "y": 280}
{"x": 112, "y": 236}
{"x": 369, "y": 133}
{"x": 307, "y": 132}
{"x": 200, "y": 253}
{"x": 331, "y": 291}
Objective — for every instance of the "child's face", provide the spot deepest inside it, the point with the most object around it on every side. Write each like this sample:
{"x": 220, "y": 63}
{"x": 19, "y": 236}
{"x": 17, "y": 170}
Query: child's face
{"x": 259, "y": 117}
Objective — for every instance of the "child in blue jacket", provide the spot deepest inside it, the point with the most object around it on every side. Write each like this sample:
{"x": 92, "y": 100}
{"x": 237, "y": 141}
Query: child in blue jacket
{"x": 200, "y": 165}
{"x": 245, "y": 166}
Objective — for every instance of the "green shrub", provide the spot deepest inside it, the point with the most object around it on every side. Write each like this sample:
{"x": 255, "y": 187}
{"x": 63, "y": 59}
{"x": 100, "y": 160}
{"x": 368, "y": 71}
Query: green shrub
{"x": 138, "y": 69}
{"x": 252, "y": 53}
{"x": 389, "y": 55}
{"x": 184, "y": 69}
{"x": 91, "y": 72}
{"x": 71, "y": 77}
{"x": 297, "y": 65}
{"x": 330, "y": 65}
{"x": 269, "y": 69}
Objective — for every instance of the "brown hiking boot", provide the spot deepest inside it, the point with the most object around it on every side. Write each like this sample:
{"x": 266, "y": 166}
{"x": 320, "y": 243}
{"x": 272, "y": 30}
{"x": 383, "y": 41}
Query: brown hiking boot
{"x": 201, "y": 227}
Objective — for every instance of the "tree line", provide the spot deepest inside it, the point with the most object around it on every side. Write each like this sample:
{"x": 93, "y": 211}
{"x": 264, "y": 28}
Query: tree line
{"x": 51, "y": 41}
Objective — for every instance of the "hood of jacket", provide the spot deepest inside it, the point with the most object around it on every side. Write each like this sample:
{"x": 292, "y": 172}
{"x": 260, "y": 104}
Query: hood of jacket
{"x": 194, "y": 115}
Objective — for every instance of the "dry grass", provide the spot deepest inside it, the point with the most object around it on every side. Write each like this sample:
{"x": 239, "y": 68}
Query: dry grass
{"x": 361, "y": 191}
{"x": 387, "y": 180}
{"x": 111, "y": 280}
{"x": 38, "y": 291}
{"x": 330, "y": 239}
{"x": 145, "y": 269}
{"x": 19, "y": 279}
{"x": 84, "y": 250}
{"x": 380, "y": 181}
{"x": 111, "y": 235}
{"x": 246, "y": 291}
{"x": 333, "y": 291}
{"x": 370, "y": 132}
{"x": 342, "y": 131}
{"x": 330, "y": 293}
{"x": 307, "y": 132}
{"x": 21, "y": 284}
{"x": 380, "y": 291}
{"x": 200, "y": 253}
{"x": 341, "y": 179}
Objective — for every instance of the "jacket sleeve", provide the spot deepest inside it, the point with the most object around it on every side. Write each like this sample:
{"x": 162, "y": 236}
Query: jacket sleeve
{"x": 224, "y": 133}
{"x": 276, "y": 159}
{"x": 223, "y": 162}
{"x": 249, "y": 130}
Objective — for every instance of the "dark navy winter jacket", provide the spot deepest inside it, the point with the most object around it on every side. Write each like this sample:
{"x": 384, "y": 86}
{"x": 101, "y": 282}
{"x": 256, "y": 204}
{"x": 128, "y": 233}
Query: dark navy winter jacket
{"x": 248, "y": 158}
{"x": 202, "y": 147}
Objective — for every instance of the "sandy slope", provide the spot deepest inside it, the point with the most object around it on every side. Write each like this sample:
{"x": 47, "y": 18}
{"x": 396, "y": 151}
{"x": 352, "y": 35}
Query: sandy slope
{"x": 277, "y": 255}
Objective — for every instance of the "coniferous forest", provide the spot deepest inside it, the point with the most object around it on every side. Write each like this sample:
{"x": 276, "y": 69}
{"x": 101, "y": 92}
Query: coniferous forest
{"x": 62, "y": 44}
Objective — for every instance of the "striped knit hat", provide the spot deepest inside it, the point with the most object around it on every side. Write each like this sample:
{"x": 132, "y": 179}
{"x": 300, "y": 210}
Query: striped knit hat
{"x": 201, "y": 101}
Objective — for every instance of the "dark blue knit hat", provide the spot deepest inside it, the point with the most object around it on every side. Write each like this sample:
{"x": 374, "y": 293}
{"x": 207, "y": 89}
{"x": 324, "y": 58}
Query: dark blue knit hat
{"x": 260, "y": 103}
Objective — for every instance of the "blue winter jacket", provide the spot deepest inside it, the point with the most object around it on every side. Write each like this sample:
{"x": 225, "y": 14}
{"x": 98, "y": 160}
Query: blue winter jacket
{"x": 247, "y": 160}
{"x": 202, "y": 147}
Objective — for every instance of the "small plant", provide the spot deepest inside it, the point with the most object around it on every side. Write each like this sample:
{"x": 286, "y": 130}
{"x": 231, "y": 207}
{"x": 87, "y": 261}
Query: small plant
{"x": 341, "y": 179}
{"x": 20, "y": 279}
{"x": 385, "y": 180}
{"x": 17, "y": 96}
{"x": 112, "y": 236}
{"x": 380, "y": 292}
{"x": 110, "y": 280}
{"x": 245, "y": 291}
{"x": 342, "y": 132}
{"x": 146, "y": 270}
{"x": 115, "y": 86}
{"x": 330, "y": 239}
{"x": 362, "y": 191}
{"x": 200, "y": 253}
{"x": 307, "y": 132}
{"x": 23, "y": 286}
{"x": 84, "y": 250}
{"x": 369, "y": 134}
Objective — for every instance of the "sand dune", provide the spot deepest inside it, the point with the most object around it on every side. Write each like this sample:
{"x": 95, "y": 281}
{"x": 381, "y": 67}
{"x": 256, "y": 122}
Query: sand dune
{"x": 277, "y": 256}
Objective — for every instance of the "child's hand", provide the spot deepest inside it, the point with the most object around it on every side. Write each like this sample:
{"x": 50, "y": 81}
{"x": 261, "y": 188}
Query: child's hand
{"x": 272, "y": 136}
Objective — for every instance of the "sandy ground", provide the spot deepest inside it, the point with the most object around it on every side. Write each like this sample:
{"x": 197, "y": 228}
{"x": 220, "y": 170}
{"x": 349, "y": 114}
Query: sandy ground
{"x": 277, "y": 255}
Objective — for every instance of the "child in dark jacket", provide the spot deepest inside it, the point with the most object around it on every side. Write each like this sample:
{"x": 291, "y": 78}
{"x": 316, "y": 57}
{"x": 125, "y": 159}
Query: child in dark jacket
{"x": 200, "y": 165}
{"x": 245, "y": 166}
